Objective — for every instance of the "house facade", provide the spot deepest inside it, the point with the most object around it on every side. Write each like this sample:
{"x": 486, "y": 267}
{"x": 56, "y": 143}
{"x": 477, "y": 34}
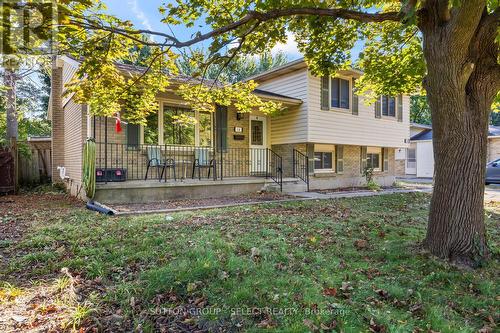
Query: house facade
{"x": 338, "y": 130}
{"x": 325, "y": 138}
{"x": 418, "y": 158}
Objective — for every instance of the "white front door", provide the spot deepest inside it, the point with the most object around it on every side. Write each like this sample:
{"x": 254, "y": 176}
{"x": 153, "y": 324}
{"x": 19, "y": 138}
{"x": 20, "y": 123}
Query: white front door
{"x": 258, "y": 144}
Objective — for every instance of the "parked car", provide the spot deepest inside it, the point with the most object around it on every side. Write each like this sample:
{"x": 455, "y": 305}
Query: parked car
{"x": 493, "y": 172}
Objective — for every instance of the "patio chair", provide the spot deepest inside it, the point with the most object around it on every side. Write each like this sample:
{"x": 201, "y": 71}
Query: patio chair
{"x": 202, "y": 161}
{"x": 155, "y": 160}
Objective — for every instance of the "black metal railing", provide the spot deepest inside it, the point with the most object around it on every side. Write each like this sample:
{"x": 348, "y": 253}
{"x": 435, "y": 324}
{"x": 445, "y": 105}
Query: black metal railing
{"x": 120, "y": 162}
{"x": 275, "y": 168}
{"x": 300, "y": 163}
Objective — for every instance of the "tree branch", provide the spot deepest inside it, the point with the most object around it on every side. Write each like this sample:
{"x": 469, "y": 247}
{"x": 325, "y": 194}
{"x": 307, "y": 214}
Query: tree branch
{"x": 251, "y": 17}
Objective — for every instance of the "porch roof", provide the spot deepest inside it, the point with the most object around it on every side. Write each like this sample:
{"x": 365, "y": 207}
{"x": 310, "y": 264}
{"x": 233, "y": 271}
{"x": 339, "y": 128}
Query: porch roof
{"x": 181, "y": 79}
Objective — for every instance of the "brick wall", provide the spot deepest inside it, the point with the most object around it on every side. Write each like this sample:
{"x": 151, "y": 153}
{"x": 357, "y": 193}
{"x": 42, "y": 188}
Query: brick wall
{"x": 57, "y": 122}
{"x": 399, "y": 167}
{"x": 351, "y": 177}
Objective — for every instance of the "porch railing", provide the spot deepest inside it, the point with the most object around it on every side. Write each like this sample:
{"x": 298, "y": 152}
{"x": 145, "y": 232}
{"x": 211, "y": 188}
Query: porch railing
{"x": 131, "y": 162}
{"x": 300, "y": 163}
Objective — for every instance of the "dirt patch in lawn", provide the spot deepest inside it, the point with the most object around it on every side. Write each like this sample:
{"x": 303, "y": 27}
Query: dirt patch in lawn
{"x": 195, "y": 203}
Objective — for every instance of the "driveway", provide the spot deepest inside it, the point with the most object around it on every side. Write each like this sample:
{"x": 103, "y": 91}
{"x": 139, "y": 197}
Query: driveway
{"x": 491, "y": 193}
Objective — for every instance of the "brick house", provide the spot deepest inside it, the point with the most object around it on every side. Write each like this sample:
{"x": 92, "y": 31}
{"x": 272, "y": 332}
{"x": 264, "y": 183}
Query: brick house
{"x": 324, "y": 139}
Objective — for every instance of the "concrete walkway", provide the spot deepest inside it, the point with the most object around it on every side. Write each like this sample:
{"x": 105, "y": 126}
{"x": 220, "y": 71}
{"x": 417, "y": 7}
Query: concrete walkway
{"x": 355, "y": 194}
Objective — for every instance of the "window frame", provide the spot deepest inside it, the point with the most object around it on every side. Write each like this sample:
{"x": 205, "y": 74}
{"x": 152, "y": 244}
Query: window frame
{"x": 349, "y": 95}
{"x": 374, "y": 151}
{"x": 323, "y": 169}
{"x": 388, "y": 114}
{"x": 176, "y": 104}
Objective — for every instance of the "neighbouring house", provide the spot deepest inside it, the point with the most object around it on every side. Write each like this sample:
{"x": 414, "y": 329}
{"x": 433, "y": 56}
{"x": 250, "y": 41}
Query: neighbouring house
{"x": 325, "y": 138}
{"x": 418, "y": 158}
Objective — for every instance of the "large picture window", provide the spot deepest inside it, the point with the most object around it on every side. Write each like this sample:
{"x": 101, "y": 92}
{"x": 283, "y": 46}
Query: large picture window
{"x": 340, "y": 93}
{"x": 182, "y": 126}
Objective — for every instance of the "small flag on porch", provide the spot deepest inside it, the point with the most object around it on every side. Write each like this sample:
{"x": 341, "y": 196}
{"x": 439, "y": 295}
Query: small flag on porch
{"x": 118, "y": 125}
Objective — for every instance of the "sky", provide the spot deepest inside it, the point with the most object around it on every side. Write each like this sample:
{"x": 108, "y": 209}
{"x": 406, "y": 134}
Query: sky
{"x": 144, "y": 14}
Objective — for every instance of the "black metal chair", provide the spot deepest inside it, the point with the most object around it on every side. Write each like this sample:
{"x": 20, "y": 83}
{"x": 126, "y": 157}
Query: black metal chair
{"x": 155, "y": 160}
{"x": 202, "y": 161}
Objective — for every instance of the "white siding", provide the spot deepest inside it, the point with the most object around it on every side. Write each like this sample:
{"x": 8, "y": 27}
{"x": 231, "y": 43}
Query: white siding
{"x": 291, "y": 127}
{"x": 341, "y": 127}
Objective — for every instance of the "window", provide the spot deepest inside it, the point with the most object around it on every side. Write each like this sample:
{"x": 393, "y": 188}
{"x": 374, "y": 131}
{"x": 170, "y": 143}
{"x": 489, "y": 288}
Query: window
{"x": 183, "y": 126}
{"x": 388, "y": 106}
{"x": 340, "y": 93}
{"x": 323, "y": 160}
{"x": 151, "y": 129}
{"x": 373, "y": 158}
{"x": 205, "y": 128}
{"x": 178, "y": 126}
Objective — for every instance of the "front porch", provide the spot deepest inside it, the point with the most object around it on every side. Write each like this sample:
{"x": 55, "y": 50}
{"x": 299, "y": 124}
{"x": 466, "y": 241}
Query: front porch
{"x": 137, "y": 191}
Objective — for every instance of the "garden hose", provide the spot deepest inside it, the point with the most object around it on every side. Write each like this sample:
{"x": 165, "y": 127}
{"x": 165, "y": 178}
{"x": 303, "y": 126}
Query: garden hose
{"x": 89, "y": 168}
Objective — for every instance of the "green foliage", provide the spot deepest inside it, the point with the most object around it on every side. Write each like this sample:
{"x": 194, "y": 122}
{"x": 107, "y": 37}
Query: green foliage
{"x": 238, "y": 69}
{"x": 32, "y": 102}
{"x": 420, "y": 111}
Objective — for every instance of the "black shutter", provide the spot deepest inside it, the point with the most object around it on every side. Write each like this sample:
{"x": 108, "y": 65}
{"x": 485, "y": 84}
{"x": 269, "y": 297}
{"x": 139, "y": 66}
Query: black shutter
{"x": 400, "y": 108}
{"x": 378, "y": 108}
{"x": 133, "y": 133}
{"x": 355, "y": 99}
{"x": 339, "y": 159}
{"x": 325, "y": 86}
{"x": 221, "y": 127}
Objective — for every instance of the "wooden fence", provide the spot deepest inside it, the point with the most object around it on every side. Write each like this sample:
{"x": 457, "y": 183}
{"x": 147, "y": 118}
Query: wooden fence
{"x": 34, "y": 162}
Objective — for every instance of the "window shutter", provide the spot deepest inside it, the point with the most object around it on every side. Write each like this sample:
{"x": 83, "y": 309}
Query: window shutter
{"x": 363, "y": 163}
{"x": 385, "y": 154}
{"x": 133, "y": 134}
{"x": 378, "y": 108}
{"x": 339, "y": 159}
{"x": 400, "y": 108}
{"x": 221, "y": 127}
{"x": 355, "y": 99}
{"x": 325, "y": 86}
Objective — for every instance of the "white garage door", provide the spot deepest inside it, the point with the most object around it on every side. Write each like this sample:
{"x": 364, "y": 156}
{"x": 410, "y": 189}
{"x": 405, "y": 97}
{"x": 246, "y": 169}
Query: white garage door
{"x": 425, "y": 159}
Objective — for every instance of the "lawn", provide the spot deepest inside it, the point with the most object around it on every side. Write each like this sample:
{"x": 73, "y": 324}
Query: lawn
{"x": 345, "y": 265}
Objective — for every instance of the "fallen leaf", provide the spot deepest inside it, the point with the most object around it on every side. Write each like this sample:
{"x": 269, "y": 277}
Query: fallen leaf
{"x": 330, "y": 292}
{"x": 361, "y": 244}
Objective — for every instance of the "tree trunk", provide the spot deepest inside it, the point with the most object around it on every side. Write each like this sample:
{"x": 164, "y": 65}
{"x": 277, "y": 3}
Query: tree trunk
{"x": 461, "y": 83}
{"x": 11, "y": 107}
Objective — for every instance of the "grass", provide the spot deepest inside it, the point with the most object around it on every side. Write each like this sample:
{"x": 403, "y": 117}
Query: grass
{"x": 347, "y": 265}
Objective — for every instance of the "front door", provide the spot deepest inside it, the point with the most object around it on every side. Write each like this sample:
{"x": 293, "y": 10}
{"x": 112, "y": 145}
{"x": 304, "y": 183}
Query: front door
{"x": 411, "y": 161}
{"x": 258, "y": 145}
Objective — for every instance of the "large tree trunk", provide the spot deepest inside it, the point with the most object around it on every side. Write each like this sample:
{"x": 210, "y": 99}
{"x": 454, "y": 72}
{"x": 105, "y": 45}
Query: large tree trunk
{"x": 461, "y": 84}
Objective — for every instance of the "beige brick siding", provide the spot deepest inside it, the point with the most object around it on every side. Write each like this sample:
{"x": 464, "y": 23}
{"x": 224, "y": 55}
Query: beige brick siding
{"x": 400, "y": 167}
{"x": 57, "y": 123}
